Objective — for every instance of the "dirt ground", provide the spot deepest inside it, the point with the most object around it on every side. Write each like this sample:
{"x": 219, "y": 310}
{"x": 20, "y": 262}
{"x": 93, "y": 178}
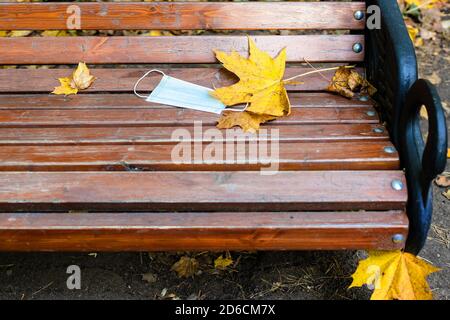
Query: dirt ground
{"x": 254, "y": 275}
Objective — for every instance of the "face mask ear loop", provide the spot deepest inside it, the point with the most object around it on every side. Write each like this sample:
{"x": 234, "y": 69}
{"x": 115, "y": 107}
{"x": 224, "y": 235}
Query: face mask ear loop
{"x": 142, "y": 78}
{"x": 237, "y": 110}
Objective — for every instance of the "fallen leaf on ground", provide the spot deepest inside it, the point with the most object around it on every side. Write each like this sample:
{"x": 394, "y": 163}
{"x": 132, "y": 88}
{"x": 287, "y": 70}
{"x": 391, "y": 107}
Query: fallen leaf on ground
{"x": 447, "y": 194}
{"x": 424, "y": 113}
{"x": 222, "y": 263}
{"x": 427, "y": 4}
{"x": 185, "y": 267}
{"x": 149, "y": 277}
{"x": 260, "y": 81}
{"x": 248, "y": 121}
{"x": 396, "y": 275}
{"x": 347, "y": 81}
{"x": 19, "y": 33}
{"x": 443, "y": 180}
{"x": 54, "y": 33}
{"x": 81, "y": 79}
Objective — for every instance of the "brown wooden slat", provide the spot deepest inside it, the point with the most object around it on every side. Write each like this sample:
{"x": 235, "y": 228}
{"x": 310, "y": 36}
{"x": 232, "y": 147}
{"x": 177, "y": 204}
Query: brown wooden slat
{"x": 183, "y": 16}
{"x": 170, "y": 117}
{"x": 181, "y": 49}
{"x": 201, "y": 191}
{"x": 130, "y": 101}
{"x": 123, "y": 80}
{"x": 163, "y": 135}
{"x": 291, "y": 156}
{"x": 201, "y": 231}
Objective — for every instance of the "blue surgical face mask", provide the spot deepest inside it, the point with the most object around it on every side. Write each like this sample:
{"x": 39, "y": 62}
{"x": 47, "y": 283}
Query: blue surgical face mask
{"x": 179, "y": 93}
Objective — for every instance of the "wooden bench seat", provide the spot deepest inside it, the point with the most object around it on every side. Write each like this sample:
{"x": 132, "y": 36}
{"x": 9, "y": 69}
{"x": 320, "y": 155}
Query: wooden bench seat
{"x": 94, "y": 171}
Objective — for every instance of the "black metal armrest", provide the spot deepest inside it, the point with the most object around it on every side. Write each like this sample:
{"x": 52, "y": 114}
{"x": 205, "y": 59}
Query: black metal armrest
{"x": 391, "y": 63}
{"x": 391, "y": 66}
{"x": 422, "y": 162}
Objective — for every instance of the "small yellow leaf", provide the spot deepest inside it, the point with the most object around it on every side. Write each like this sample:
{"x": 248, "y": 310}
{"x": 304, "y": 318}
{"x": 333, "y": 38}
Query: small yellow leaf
{"x": 260, "y": 81}
{"x": 54, "y": 33}
{"x": 413, "y": 32}
{"x": 248, "y": 121}
{"x": 81, "y": 77}
{"x": 65, "y": 87}
{"x": 396, "y": 275}
{"x": 424, "y": 113}
{"x": 3, "y": 33}
{"x": 222, "y": 263}
{"x": 427, "y": 4}
{"x": 185, "y": 267}
{"x": 447, "y": 194}
{"x": 448, "y": 153}
{"x": 19, "y": 33}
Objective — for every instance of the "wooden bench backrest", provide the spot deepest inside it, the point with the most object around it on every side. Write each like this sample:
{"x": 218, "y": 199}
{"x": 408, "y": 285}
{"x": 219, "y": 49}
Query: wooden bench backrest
{"x": 232, "y": 16}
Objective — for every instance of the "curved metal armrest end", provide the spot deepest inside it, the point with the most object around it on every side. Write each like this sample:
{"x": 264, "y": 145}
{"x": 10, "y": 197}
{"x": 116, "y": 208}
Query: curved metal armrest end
{"x": 422, "y": 162}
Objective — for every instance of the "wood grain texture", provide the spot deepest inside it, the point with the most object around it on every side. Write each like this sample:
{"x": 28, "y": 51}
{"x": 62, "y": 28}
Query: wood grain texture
{"x": 201, "y": 231}
{"x": 123, "y": 80}
{"x": 291, "y": 156}
{"x": 130, "y": 101}
{"x": 180, "y": 49}
{"x": 201, "y": 191}
{"x": 170, "y": 117}
{"x": 163, "y": 135}
{"x": 183, "y": 16}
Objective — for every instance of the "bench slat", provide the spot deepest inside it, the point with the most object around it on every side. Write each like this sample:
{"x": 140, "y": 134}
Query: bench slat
{"x": 201, "y": 191}
{"x": 169, "y": 117}
{"x": 182, "y": 16}
{"x": 123, "y": 80}
{"x": 130, "y": 101}
{"x": 162, "y": 135}
{"x": 181, "y": 49}
{"x": 292, "y": 156}
{"x": 201, "y": 231}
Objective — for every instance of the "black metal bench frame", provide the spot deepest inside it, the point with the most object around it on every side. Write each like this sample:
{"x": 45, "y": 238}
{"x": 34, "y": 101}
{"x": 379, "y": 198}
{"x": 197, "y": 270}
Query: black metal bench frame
{"x": 392, "y": 67}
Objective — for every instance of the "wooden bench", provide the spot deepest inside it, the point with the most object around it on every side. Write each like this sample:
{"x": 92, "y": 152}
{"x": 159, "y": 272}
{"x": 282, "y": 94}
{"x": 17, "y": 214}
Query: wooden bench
{"x": 93, "y": 171}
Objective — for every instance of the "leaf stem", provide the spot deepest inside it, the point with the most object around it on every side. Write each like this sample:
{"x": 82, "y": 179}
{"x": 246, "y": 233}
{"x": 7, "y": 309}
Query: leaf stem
{"x": 315, "y": 71}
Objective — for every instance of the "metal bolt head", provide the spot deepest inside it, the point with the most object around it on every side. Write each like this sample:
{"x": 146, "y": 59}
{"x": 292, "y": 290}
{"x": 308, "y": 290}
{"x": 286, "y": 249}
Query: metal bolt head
{"x": 359, "y": 15}
{"x": 389, "y": 149}
{"x": 357, "y": 47}
{"x": 378, "y": 130}
{"x": 397, "y": 238}
{"x": 364, "y": 98}
{"x": 397, "y": 185}
{"x": 371, "y": 113}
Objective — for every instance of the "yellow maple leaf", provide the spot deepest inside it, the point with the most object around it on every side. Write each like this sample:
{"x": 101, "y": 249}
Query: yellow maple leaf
{"x": 65, "y": 87}
{"x": 81, "y": 79}
{"x": 248, "y": 121}
{"x": 260, "y": 81}
{"x": 185, "y": 267}
{"x": 222, "y": 263}
{"x": 395, "y": 275}
{"x": 428, "y": 4}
